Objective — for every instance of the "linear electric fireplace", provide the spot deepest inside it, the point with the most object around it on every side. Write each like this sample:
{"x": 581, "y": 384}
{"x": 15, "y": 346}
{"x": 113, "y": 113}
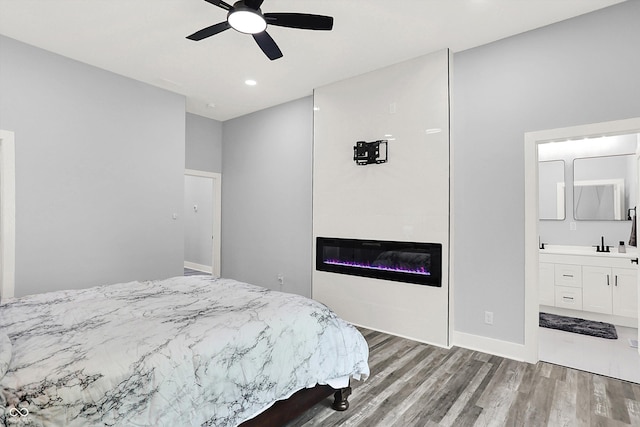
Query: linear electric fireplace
{"x": 409, "y": 262}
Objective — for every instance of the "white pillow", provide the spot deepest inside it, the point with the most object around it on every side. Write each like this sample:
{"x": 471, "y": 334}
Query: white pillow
{"x": 5, "y": 353}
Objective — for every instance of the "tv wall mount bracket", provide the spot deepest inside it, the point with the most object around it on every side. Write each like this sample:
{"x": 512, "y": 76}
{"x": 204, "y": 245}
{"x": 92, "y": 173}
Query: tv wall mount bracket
{"x": 367, "y": 153}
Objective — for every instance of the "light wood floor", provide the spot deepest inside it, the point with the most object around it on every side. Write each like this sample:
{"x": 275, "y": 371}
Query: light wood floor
{"x": 413, "y": 384}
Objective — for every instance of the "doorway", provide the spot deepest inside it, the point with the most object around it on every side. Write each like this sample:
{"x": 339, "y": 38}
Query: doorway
{"x": 202, "y": 214}
{"x": 7, "y": 214}
{"x": 532, "y": 142}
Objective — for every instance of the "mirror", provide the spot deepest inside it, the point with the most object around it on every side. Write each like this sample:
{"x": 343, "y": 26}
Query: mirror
{"x": 551, "y": 190}
{"x": 604, "y": 187}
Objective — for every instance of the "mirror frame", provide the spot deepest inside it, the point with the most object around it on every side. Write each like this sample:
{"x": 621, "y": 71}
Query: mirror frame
{"x": 619, "y": 201}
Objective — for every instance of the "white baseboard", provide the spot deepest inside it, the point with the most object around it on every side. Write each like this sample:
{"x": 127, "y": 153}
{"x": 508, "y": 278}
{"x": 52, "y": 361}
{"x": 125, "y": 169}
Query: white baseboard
{"x": 401, "y": 336}
{"x": 199, "y": 267}
{"x": 493, "y": 346}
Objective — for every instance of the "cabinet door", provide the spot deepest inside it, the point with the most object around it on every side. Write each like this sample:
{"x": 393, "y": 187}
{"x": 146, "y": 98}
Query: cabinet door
{"x": 625, "y": 292}
{"x": 546, "y": 284}
{"x": 596, "y": 289}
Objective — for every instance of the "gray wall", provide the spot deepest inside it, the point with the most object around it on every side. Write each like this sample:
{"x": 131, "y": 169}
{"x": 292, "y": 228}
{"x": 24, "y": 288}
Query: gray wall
{"x": 584, "y": 70}
{"x": 266, "y": 197}
{"x": 203, "y": 144}
{"x": 99, "y": 172}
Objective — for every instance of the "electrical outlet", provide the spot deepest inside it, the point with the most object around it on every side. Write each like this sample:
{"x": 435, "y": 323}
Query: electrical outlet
{"x": 488, "y": 317}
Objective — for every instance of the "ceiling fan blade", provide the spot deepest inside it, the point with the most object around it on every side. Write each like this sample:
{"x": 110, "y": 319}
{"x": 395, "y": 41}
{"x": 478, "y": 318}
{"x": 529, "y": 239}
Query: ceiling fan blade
{"x": 253, "y": 4}
{"x": 268, "y": 45}
{"x": 209, "y": 31}
{"x": 303, "y": 21}
{"x": 221, "y": 4}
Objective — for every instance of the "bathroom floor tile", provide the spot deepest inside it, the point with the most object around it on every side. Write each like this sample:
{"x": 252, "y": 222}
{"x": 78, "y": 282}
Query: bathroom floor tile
{"x": 613, "y": 358}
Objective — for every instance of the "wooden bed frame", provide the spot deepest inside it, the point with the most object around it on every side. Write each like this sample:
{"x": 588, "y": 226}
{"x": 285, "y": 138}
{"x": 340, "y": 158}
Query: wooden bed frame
{"x": 284, "y": 411}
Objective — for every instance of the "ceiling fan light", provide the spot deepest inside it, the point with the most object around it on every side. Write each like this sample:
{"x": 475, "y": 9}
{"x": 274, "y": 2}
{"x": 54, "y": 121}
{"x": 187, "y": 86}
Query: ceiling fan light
{"x": 246, "y": 21}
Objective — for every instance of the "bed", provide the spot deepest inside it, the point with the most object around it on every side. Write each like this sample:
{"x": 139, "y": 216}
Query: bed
{"x": 186, "y": 351}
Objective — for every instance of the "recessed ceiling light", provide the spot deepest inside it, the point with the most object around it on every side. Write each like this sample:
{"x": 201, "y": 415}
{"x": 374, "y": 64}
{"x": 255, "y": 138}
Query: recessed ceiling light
{"x": 250, "y": 82}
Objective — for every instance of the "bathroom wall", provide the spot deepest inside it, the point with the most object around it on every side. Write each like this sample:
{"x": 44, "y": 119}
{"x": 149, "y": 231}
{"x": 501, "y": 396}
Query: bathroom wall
{"x": 583, "y": 232}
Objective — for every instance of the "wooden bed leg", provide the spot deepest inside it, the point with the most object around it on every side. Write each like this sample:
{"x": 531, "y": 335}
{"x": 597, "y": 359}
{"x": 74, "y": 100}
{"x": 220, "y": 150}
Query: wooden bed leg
{"x": 340, "y": 402}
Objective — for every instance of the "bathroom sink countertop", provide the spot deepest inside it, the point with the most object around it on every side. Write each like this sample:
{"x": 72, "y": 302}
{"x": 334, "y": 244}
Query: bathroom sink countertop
{"x": 631, "y": 252}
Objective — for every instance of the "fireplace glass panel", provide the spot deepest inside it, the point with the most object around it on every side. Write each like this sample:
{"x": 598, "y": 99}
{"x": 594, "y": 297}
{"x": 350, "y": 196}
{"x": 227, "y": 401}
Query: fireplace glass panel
{"x": 410, "y": 262}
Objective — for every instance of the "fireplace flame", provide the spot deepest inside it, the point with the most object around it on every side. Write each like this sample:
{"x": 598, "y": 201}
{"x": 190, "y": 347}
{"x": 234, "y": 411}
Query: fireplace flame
{"x": 420, "y": 270}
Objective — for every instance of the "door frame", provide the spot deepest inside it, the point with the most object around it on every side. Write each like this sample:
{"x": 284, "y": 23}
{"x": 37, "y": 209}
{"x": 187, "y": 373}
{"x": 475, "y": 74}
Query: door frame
{"x": 7, "y": 214}
{"x": 531, "y": 142}
{"x": 217, "y": 215}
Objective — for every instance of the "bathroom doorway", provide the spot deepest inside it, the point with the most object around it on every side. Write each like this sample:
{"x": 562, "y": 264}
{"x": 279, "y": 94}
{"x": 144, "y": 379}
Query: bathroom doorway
{"x": 558, "y": 346}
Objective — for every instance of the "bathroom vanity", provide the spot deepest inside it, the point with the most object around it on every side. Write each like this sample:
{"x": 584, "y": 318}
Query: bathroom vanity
{"x": 580, "y": 282}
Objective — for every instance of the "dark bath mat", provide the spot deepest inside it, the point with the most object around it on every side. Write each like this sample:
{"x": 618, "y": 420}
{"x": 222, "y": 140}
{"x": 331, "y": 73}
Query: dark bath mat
{"x": 579, "y": 326}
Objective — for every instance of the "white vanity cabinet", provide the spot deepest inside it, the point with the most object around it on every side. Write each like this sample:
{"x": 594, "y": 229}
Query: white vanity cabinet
{"x": 568, "y": 286}
{"x": 606, "y": 285}
{"x": 610, "y": 290}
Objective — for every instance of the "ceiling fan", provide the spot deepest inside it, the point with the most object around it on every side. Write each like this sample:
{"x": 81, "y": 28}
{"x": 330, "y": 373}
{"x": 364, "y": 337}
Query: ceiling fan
{"x": 246, "y": 17}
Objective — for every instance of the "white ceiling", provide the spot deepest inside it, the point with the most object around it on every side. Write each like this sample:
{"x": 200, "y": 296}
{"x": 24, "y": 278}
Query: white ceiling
{"x": 145, "y": 40}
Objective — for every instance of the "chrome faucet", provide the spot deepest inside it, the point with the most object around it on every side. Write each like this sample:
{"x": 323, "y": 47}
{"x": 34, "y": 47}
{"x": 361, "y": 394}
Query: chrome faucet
{"x": 602, "y": 247}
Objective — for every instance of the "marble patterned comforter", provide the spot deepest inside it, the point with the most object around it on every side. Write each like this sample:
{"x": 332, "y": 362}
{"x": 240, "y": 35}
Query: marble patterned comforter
{"x": 185, "y": 351}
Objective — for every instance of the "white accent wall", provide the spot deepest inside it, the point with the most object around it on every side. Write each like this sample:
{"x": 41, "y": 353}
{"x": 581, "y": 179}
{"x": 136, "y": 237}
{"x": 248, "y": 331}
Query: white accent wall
{"x": 405, "y": 199}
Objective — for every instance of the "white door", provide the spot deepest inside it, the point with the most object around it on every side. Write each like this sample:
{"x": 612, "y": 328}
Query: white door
{"x": 596, "y": 289}
{"x": 625, "y": 292}
{"x": 7, "y": 214}
{"x": 1, "y": 237}
{"x": 635, "y": 217}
